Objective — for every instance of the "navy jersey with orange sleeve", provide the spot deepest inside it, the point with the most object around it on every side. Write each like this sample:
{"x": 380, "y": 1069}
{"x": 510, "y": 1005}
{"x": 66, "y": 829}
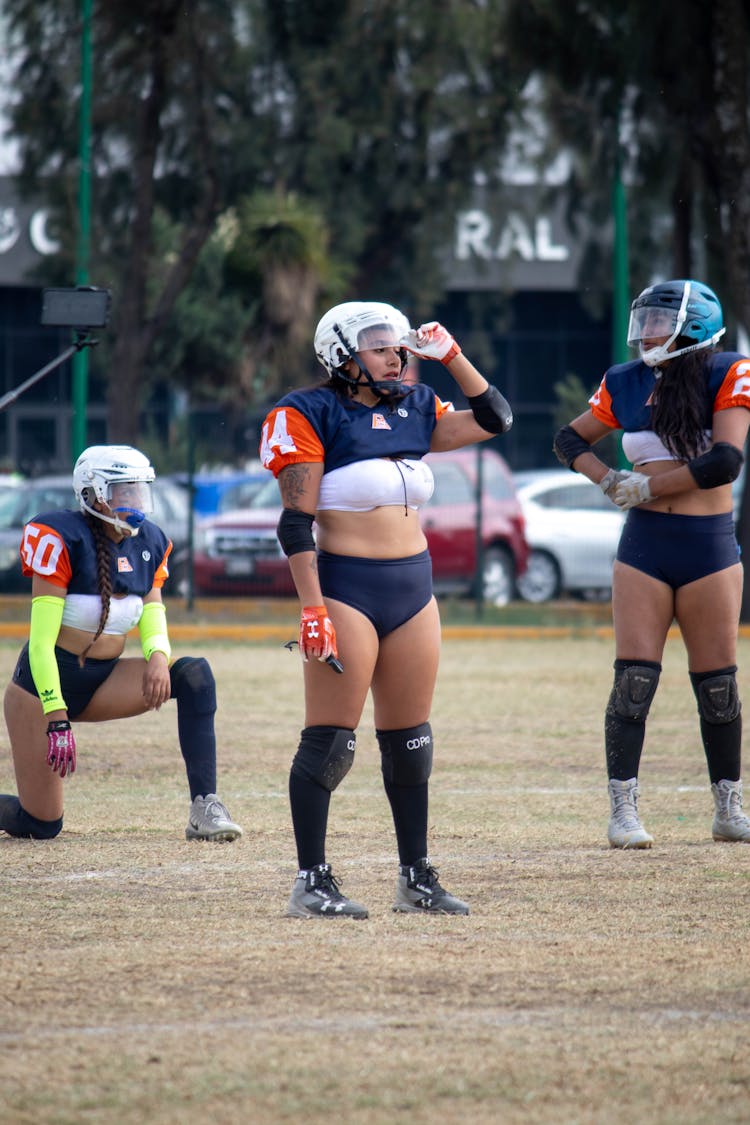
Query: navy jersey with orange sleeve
{"x": 59, "y": 547}
{"x": 623, "y": 398}
{"x": 317, "y": 425}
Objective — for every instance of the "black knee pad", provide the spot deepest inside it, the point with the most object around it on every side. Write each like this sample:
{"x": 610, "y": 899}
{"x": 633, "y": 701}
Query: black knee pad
{"x": 717, "y": 695}
{"x": 17, "y": 822}
{"x": 406, "y": 755}
{"x": 325, "y": 755}
{"x": 193, "y": 685}
{"x": 634, "y": 689}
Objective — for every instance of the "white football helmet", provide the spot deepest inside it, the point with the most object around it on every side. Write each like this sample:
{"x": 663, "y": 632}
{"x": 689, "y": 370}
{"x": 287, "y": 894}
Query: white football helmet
{"x": 356, "y": 326}
{"x": 121, "y": 478}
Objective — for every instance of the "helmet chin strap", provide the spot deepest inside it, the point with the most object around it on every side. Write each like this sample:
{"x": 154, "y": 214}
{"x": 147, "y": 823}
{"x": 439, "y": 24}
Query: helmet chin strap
{"x": 126, "y": 526}
{"x": 656, "y": 356}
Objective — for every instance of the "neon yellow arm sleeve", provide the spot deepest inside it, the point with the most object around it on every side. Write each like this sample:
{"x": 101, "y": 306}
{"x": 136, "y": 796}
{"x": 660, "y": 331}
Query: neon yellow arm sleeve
{"x": 152, "y": 628}
{"x": 46, "y": 618}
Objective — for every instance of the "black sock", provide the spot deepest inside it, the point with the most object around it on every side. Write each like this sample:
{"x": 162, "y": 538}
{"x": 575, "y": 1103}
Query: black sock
{"x": 409, "y": 808}
{"x": 310, "y": 803}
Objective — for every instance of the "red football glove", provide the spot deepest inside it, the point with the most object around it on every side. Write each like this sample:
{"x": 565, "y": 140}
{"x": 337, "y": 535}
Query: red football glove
{"x": 431, "y": 341}
{"x": 317, "y": 636}
{"x": 61, "y": 748}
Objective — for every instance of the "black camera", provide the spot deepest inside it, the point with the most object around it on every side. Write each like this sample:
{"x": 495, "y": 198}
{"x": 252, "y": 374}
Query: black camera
{"x": 83, "y": 307}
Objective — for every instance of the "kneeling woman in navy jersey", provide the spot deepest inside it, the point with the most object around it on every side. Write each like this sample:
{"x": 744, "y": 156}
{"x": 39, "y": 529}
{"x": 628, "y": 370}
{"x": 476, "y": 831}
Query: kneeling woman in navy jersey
{"x": 96, "y": 574}
{"x": 349, "y": 454}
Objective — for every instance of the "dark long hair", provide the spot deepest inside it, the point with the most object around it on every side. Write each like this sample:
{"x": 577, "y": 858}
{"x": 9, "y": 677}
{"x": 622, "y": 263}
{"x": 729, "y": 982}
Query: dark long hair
{"x": 103, "y": 547}
{"x": 680, "y": 409}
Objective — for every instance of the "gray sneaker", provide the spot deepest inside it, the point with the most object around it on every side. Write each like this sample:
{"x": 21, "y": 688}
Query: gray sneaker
{"x": 210, "y": 820}
{"x": 316, "y": 894}
{"x": 625, "y": 829}
{"x": 730, "y": 823}
{"x": 419, "y": 892}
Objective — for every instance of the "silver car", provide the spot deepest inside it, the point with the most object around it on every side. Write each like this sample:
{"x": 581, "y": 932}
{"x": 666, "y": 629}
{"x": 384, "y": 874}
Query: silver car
{"x": 572, "y": 530}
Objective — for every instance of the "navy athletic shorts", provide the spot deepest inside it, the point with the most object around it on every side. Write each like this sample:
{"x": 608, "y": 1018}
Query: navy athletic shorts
{"x": 78, "y": 684}
{"x": 387, "y": 591}
{"x": 678, "y": 549}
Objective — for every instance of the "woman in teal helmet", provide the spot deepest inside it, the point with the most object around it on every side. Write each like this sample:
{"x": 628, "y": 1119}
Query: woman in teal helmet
{"x": 684, "y": 410}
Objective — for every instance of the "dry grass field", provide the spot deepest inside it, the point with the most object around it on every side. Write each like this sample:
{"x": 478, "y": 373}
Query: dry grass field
{"x": 151, "y": 981}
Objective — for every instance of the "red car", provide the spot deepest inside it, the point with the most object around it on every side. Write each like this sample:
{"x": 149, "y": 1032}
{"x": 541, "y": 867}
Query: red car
{"x": 238, "y": 552}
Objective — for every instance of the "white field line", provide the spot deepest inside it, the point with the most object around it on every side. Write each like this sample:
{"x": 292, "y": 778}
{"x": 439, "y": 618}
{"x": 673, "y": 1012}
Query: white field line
{"x": 552, "y": 1017}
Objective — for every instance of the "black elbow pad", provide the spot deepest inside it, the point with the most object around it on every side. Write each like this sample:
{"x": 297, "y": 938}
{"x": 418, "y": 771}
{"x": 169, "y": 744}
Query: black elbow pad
{"x": 568, "y": 445}
{"x": 491, "y": 411}
{"x": 720, "y": 465}
{"x": 294, "y": 532}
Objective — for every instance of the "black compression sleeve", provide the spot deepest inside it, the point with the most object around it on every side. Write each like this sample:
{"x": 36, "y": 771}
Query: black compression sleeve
{"x": 294, "y": 532}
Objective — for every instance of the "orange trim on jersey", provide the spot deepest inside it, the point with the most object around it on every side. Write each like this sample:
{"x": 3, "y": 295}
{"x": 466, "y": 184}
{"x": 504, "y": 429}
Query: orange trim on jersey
{"x": 442, "y": 408}
{"x": 601, "y": 406}
{"x": 162, "y": 571}
{"x": 735, "y": 388}
{"x": 43, "y": 552}
{"x": 287, "y": 439}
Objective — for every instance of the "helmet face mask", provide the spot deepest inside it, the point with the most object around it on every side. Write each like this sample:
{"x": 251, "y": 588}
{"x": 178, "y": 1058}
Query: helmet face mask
{"x": 119, "y": 477}
{"x": 684, "y": 311}
{"x": 357, "y": 326}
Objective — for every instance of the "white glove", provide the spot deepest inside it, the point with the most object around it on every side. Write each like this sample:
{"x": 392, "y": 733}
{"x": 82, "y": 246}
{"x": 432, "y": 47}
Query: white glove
{"x": 431, "y": 341}
{"x": 610, "y": 479}
{"x": 633, "y": 490}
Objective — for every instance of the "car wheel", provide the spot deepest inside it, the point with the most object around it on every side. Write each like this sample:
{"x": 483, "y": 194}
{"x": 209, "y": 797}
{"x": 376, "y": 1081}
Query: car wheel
{"x": 498, "y": 576}
{"x": 540, "y": 582}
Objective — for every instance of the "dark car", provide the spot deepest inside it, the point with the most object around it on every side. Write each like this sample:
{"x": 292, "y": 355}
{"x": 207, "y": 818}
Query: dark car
{"x": 237, "y": 552}
{"x": 21, "y": 502}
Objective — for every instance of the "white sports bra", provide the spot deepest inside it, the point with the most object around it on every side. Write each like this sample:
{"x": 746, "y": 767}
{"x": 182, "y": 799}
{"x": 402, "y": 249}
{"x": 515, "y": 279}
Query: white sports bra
{"x": 645, "y": 445}
{"x": 82, "y": 611}
{"x": 376, "y": 483}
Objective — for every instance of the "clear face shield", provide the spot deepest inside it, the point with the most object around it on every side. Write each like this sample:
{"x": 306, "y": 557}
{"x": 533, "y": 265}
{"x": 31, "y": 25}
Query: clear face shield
{"x": 655, "y": 323}
{"x": 133, "y": 500}
{"x": 382, "y": 336}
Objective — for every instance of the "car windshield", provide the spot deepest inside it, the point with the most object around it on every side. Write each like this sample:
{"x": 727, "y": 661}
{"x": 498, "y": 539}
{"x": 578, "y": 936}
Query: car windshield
{"x": 267, "y": 496}
{"x": 18, "y": 505}
{"x": 242, "y": 494}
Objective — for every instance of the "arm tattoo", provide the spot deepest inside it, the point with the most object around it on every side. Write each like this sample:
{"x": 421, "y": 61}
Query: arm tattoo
{"x": 292, "y": 483}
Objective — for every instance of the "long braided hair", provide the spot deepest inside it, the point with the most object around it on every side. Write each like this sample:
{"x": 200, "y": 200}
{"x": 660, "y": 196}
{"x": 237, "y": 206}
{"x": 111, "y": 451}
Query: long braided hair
{"x": 680, "y": 407}
{"x": 103, "y": 547}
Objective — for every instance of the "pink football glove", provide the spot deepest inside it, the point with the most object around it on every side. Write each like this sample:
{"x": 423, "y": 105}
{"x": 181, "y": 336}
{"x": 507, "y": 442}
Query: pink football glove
{"x": 61, "y": 748}
{"x": 317, "y": 636}
{"x": 431, "y": 341}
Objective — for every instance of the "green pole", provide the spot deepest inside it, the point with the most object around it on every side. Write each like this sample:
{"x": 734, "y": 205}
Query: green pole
{"x": 620, "y": 281}
{"x": 81, "y": 358}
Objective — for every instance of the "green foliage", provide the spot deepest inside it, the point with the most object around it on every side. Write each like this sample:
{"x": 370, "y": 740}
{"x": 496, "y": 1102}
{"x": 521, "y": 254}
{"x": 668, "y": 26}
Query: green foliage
{"x": 571, "y": 399}
{"x": 343, "y": 135}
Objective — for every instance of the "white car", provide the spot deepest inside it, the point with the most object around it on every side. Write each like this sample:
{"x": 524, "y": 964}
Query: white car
{"x": 572, "y": 530}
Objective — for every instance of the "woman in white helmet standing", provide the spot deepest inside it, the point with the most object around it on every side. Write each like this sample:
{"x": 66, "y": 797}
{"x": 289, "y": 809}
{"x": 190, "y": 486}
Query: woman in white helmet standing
{"x": 685, "y": 410}
{"x": 348, "y": 454}
{"x": 96, "y": 574}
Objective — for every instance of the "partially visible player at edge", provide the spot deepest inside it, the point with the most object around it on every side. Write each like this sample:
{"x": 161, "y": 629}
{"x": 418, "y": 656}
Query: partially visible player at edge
{"x": 685, "y": 411}
{"x": 348, "y": 454}
{"x": 96, "y": 574}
